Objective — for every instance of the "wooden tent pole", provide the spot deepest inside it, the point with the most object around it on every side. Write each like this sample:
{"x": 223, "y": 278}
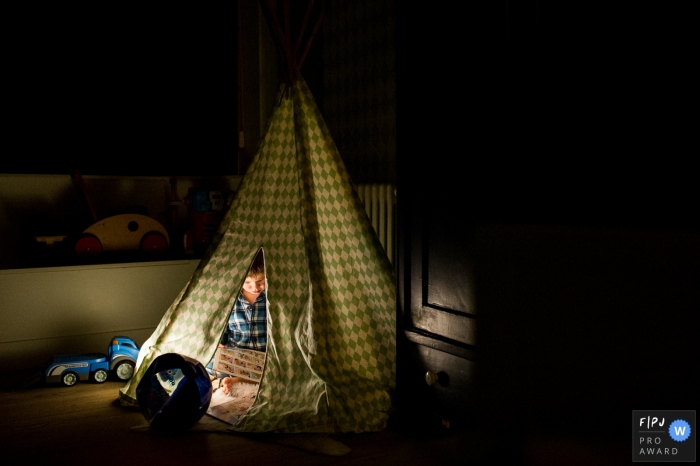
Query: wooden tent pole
{"x": 287, "y": 21}
{"x": 283, "y": 46}
{"x": 240, "y": 139}
{"x": 319, "y": 21}
{"x": 275, "y": 29}
{"x": 289, "y": 56}
{"x": 302, "y": 30}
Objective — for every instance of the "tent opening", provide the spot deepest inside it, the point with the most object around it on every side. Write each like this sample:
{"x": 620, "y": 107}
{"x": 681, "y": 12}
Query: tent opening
{"x": 236, "y": 368}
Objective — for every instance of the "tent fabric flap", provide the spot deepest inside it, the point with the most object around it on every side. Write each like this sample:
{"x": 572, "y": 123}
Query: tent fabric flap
{"x": 330, "y": 364}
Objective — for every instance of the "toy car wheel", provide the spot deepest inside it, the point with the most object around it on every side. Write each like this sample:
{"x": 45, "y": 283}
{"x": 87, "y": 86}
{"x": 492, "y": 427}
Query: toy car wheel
{"x": 154, "y": 243}
{"x": 124, "y": 370}
{"x": 88, "y": 246}
{"x": 100, "y": 375}
{"x": 69, "y": 379}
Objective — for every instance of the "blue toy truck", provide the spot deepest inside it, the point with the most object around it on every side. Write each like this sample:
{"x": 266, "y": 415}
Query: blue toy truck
{"x": 69, "y": 368}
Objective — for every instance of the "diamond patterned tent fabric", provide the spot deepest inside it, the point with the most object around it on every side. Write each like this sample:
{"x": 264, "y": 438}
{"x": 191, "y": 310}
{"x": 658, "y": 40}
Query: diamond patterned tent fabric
{"x": 330, "y": 363}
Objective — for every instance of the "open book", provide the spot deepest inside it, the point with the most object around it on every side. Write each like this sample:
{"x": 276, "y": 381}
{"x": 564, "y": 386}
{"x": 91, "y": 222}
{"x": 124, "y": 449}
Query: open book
{"x": 236, "y": 362}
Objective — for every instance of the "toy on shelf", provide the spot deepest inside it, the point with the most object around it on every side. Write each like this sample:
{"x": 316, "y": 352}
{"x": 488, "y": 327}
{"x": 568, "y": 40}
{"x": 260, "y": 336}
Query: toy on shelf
{"x": 121, "y": 233}
{"x": 205, "y": 210}
{"x": 120, "y": 359}
{"x": 124, "y": 232}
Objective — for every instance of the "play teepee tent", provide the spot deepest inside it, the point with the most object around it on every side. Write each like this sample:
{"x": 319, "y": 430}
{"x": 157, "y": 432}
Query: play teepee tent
{"x": 330, "y": 364}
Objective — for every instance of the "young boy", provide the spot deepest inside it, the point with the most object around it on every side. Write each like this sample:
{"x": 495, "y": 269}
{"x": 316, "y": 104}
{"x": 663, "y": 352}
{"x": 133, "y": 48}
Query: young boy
{"x": 247, "y": 324}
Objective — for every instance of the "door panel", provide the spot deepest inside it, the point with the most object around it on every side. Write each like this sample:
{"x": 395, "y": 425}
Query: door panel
{"x": 449, "y": 325}
{"x": 448, "y": 267}
{"x": 441, "y": 293}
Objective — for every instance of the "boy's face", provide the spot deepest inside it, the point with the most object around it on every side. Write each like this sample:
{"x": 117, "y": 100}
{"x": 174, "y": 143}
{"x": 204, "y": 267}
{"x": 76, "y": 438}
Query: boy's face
{"x": 254, "y": 285}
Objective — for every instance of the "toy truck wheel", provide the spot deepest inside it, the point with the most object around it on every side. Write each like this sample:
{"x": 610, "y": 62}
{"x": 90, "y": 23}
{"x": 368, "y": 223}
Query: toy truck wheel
{"x": 124, "y": 370}
{"x": 69, "y": 379}
{"x": 100, "y": 375}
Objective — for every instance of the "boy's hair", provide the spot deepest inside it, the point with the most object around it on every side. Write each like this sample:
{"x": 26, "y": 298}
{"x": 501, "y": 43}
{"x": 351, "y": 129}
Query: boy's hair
{"x": 258, "y": 267}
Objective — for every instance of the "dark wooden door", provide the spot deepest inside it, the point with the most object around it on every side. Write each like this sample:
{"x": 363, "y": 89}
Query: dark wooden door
{"x": 449, "y": 102}
{"x": 537, "y": 240}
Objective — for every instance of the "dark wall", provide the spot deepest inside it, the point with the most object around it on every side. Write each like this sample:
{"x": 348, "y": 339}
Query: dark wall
{"x": 150, "y": 89}
{"x": 596, "y": 102}
{"x": 143, "y": 89}
{"x": 359, "y": 86}
{"x": 554, "y": 113}
{"x": 578, "y": 326}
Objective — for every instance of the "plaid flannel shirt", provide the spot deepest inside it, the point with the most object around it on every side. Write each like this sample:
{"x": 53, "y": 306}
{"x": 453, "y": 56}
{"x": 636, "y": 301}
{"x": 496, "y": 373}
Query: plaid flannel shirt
{"x": 247, "y": 324}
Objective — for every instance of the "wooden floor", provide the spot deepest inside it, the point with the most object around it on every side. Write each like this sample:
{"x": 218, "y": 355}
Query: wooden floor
{"x": 85, "y": 424}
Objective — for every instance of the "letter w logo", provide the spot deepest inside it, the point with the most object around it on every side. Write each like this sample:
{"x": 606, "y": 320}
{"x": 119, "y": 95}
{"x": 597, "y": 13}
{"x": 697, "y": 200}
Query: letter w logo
{"x": 680, "y": 430}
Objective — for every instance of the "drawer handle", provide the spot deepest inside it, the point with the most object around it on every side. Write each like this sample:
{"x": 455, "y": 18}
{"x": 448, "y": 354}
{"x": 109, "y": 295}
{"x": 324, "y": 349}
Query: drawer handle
{"x": 431, "y": 378}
